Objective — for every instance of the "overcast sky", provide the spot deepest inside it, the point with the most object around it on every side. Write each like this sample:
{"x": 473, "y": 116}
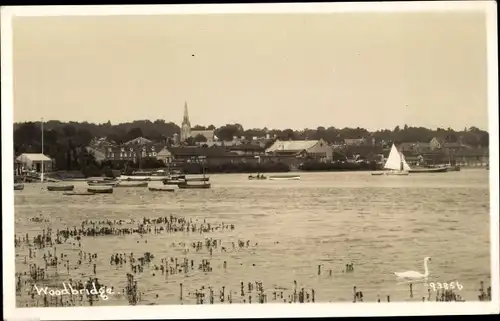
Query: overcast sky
{"x": 372, "y": 70}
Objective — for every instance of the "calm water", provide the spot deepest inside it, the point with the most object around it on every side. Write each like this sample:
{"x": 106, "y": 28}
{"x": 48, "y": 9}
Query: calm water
{"x": 382, "y": 224}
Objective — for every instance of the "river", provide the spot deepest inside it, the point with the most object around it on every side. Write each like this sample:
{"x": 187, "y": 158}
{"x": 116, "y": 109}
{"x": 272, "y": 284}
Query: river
{"x": 382, "y": 224}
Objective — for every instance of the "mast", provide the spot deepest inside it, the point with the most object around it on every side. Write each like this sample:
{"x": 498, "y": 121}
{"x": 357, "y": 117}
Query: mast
{"x": 43, "y": 161}
{"x": 401, "y": 168}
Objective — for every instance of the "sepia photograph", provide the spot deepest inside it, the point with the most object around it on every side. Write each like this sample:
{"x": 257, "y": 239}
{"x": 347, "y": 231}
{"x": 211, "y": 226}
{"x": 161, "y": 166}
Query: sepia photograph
{"x": 250, "y": 160}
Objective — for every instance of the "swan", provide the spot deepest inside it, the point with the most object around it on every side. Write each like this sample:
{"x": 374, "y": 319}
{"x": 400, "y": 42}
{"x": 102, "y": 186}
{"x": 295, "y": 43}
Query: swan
{"x": 414, "y": 275}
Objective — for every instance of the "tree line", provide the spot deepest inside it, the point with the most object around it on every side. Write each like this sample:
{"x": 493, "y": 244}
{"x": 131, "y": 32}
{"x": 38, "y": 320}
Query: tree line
{"x": 66, "y": 142}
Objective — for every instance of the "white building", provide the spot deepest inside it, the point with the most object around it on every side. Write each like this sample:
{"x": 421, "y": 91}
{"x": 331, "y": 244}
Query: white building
{"x": 35, "y": 162}
{"x": 313, "y": 148}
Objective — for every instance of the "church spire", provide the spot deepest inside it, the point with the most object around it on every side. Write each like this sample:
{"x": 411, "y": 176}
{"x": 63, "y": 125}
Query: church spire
{"x": 186, "y": 115}
{"x": 186, "y": 125}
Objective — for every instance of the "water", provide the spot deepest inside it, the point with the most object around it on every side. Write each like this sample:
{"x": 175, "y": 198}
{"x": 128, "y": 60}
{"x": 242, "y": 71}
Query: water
{"x": 382, "y": 224}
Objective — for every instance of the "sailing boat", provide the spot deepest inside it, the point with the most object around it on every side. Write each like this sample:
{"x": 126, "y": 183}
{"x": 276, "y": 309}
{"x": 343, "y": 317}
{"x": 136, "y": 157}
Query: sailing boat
{"x": 395, "y": 164}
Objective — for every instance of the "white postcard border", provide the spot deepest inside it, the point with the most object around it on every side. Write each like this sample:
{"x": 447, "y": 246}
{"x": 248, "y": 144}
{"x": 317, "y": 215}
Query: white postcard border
{"x": 241, "y": 310}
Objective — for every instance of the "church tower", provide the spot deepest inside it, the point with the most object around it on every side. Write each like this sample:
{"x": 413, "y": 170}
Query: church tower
{"x": 186, "y": 125}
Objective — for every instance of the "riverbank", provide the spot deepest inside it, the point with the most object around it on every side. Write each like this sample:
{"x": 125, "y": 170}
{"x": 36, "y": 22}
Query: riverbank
{"x": 242, "y": 168}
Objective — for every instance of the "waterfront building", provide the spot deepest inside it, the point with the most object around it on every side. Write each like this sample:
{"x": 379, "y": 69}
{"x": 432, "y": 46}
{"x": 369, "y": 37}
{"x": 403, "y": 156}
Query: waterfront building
{"x": 132, "y": 152}
{"x": 436, "y": 144}
{"x": 248, "y": 149}
{"x": 472, "y": 157}
{"x": 318, "y": 149}
{"x": 35, "y": 162}
{"x": 165, "y": 155}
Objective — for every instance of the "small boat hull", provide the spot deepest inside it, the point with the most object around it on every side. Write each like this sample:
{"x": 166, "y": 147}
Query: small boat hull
{"x": 61, "y": 188}
{"x": 194, "y": 186}
{"x": 18, "y": 187}
{"x": 257, "y": 178}
{"x": 198, "y": 179}
{"x": 429, "y": 170}
{"x": 173, "y": 182}
{"x": 152, "y": 178}
{"x": 102, "y": 190}
{"x": 397, "y": 173}
{"x": 100, "y": 179}
{"x": 102, "y": 183}
{"x": 161, "y": 189}
{"x": 132, "y": 184}
{"x": 377, "y": 173}
{"x": 78, "y": 193}
{"x": 284, "y": 178}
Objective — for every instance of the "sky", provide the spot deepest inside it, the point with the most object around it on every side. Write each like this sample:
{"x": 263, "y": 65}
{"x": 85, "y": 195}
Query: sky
{"x": 371, "y": 70}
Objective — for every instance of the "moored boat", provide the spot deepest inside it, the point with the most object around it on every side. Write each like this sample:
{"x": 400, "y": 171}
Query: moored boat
{"x": 103, "y": 183}
{"x": 78, "y": 193}
{"x": 18, "y": 187}
{"x": 173, "y": 181}
{"x": 197, "y": 179}
{"x": 100, "y": 179}
{"x": 284, "y": 178}
{"x": 60, "y": 188}
{"x": 161, "y": 189}
{"x": 146, "y": 176}
{"x": 397, "y": 173}
{"x": 100, "y": 189}
{"x": 131, "y": 184}
{"x": 194, "y": 186}
{"x": 429, "y": 170}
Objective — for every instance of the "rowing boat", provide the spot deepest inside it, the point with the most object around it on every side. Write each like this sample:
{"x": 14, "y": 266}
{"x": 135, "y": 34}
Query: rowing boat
{"x": 78, "y": 193}
{"x": 60, "y": 188}
{"x": 284, "y": 178}
{"x": 132, "y": 184}
{"x": 100, "y": 189}
{"x": 161, "y": 189}
{"x": 194, "y": 186}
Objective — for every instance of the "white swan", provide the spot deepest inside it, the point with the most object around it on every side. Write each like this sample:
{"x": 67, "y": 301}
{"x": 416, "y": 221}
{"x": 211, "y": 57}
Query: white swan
{"x": 414, "y": 275}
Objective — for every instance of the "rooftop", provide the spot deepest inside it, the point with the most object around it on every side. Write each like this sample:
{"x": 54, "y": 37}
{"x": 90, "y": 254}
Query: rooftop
{"x": 138, "y": 141}
{"x": 208, "y": 134}
{"x": 33, "y": 157}
{"x": 292, "y": 145}
{"x": 248, "y": 147}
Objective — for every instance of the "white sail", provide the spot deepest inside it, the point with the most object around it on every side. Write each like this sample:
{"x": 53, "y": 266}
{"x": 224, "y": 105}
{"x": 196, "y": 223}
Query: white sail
{"x": 406, "y": 167}
{"x": 394, "y": 160}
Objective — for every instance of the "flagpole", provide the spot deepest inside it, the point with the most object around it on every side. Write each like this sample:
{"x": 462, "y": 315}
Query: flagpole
{"x": 43, "y": 162}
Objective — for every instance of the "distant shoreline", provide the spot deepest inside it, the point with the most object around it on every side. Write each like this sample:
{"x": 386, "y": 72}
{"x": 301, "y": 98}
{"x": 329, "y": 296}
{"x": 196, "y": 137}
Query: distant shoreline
{"x": 80, "y": 179}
